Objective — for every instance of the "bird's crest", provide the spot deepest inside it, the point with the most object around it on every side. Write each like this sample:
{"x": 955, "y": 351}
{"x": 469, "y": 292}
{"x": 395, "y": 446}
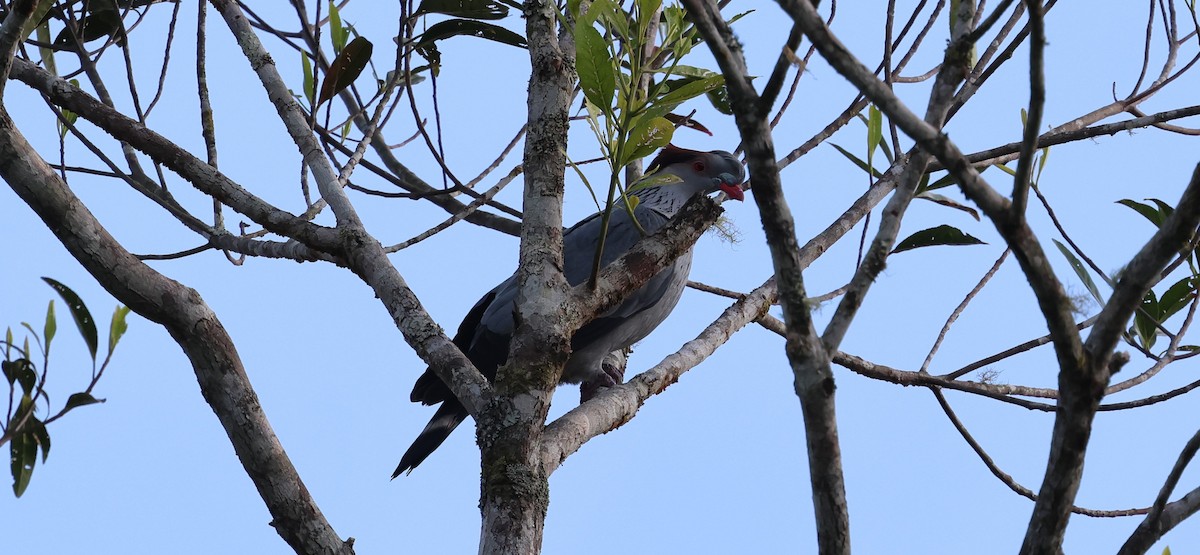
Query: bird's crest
{"x": 671, "y": 154}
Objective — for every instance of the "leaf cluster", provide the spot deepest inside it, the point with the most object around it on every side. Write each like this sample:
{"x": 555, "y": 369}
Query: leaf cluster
{"x": 23, "y": 429}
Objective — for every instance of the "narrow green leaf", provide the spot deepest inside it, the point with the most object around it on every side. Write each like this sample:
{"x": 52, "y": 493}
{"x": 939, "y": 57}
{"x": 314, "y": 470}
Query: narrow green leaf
{"x": 1042, "y": 161}
{"x": 471, "y": 28}
{"x": 654, "y": 180}
{"x": 1147, "y": 211}
{"x": 37, "y": 19}
{"x": 1006, "y": 169}
{"x": 689, "y": 91}
{"x": 1145, "y": 325}
{"x": 940, "y": 235}
{"x": 595, "y": 67}
{"x": 941, "y": 182}
{"x": 79, "y": 311}
{"x": 43, "y": 36}
{"x": 1081, "y": 271}
{"x": 37, "y": 429}
{"x": 686, "y": 71}
{"x": 874, "y": 129}
{"x": 1163, "y": 208}
{"x": 23, "y": 449}
{"x": 80, "y": 400}
{"x": 310, "y": 81}
{"x": 470, "y": 9}
{"x": 857, "y": 161}
{"x": 337, "y": 33}
{"x": 117, "y": 327}
{"x": 51, "y": 326}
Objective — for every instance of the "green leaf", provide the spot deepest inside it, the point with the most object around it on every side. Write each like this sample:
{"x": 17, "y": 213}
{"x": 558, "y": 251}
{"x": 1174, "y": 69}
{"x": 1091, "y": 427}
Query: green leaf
{"x": 1145, "y": 324}
{"x": 686, "y": 71}
{"x": 647, "y": 138}
{"x": 103, "y": 20}
{"x": 43, "y": 36}
{"x": 597, "y": 9}
{"x": 1163, "y": 208}
{"x": 51, "y": 326}
{"x": 857, "y": 161}
{"x": 470, "y": 9}
{"x": 942, "y": 182}
{"x": 597, "y": 73}
{"x": 1176, "y": 297}
{"x": 719, "y": 98}
{"x": 25, "y": 375}
{"x": 874, "y": 130}
{"x": 654, "y": 180}
{"x": 1081, "y": 271}
{"x": 117, "y": 327}
{"x": 617, "y": 22}
{"x": 348, "y": 65}
{"x": 37, "y": 19}
{"x": 940, "y": 235}
{"x": 310, "y": 82}
{"x": 1150, "y": 213}
{"x": 80, "y": 400}
{"x": 689, "y": 91}
{"x": 470, "y": 28}
{"x": 23, "y": 449}
{"x": 337, "y": 33}
{"x": 79, "y": 311}
{"x": 37, "y": 428}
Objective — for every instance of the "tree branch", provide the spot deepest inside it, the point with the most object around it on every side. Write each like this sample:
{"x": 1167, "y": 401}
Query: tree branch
{"x": 193, "y": 325}
{"x": 809, "y": 359}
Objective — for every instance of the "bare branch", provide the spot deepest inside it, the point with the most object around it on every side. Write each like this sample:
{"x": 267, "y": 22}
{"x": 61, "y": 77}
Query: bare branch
{"x": 223, "y": 380}
{"x": 806, "y": 353}
{"x": 613, "y": 407}
{"x": 1158, "y": 523}
{"x": 1033, "y": 116}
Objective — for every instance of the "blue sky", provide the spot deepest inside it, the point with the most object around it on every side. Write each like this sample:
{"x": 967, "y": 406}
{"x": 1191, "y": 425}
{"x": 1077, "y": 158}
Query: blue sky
{"x": 714, "y": 465}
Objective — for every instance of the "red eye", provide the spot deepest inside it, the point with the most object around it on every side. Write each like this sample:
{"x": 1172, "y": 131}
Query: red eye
{"x": 698, "y": 165}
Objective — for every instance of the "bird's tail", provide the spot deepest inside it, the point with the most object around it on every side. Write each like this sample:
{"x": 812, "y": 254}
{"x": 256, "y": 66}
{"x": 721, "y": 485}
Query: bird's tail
{"x": 447, "y": 417}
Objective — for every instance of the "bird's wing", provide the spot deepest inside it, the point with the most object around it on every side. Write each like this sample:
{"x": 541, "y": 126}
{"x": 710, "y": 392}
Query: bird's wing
{"x": 430, "y": 389}
{"x": 580, "y": 242}
{"x": 579, "y": 251}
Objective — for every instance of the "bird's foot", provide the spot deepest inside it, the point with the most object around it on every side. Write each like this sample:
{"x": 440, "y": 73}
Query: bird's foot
{"x": 612, "y": 375}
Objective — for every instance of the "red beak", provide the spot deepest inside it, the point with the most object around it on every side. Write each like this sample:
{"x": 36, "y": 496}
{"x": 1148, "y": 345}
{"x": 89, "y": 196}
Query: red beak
{"x": 733, "y": 190}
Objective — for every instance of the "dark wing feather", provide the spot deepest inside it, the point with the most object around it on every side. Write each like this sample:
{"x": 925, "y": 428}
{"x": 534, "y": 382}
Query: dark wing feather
{"x": 430, "y": 389}
{"x": 579, "y": 248}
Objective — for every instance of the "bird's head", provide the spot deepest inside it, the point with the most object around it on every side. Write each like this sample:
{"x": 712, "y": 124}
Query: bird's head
{"x": 698, "y": 171}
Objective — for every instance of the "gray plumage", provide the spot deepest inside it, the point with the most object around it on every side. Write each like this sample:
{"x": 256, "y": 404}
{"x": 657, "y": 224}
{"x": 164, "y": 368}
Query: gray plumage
{"x": 485, "y": 333}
